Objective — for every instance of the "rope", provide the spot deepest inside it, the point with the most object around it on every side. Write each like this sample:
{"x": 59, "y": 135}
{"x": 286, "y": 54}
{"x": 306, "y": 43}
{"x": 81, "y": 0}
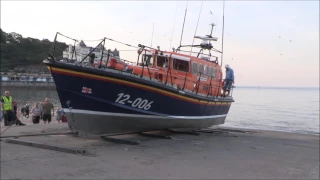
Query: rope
{"x": 12, "y": 122}
{"x": 92, "y": 40}
{"x": 99, "y": 40}
{"x": 121, "y": 43}
{"x": 78, "y": 40}
{"x": 67, "y": 37}
{"x": 127, "y": 50}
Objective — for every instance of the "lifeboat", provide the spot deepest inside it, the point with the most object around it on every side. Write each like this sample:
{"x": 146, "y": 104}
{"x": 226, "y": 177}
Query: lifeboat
{"x": 161, "y": 90}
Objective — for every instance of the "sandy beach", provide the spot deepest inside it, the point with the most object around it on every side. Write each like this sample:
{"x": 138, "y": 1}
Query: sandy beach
{"x": 233, "y": 154}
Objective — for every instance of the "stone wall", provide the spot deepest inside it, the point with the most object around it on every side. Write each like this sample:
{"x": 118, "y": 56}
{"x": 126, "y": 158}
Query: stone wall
{"x": 28, "y": 84}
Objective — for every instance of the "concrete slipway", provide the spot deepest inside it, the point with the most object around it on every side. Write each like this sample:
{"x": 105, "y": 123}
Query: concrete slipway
{"x": 219, "y": 154}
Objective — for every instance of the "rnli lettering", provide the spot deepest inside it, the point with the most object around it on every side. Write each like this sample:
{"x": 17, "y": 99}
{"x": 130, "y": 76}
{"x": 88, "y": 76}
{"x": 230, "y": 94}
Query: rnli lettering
{"x": 137, "y": 103}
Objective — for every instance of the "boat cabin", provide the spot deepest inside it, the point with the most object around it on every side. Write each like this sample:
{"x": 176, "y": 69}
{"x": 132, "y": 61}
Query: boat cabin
{"x": 199, "y": 75}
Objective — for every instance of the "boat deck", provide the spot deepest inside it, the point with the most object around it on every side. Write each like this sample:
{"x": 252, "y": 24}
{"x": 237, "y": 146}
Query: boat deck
{"x": 213, "y": 154}
{"x": 151, "y": 79}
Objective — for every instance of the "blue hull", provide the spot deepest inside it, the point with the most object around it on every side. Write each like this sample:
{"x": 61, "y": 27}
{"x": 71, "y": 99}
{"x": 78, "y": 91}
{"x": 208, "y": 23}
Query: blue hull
{"x": 110, "y": 95}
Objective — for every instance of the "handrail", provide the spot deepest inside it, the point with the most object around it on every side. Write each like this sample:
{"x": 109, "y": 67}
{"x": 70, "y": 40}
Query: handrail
{"x": 143, "y": 64}
{"x": 211, "y": 90}
{"x": 169, "y": 69}
{"x": 140, "y": 50}
{"x": 92, "y": 50}
{"x": 102, "y": 54}
{"x": 54, "y": 44}
{"x": 74, "y": 50}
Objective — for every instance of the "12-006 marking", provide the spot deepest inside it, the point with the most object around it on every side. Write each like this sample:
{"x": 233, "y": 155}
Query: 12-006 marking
{"x": 139, "y": 103}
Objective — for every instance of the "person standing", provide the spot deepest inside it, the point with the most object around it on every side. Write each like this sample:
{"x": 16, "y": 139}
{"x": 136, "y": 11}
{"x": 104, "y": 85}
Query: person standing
{"x": 8, "y": 107}
{"x": 36, "y": 112}
{"x": 1, "y": 112}
{"x": 229, "y": 80}
{"x": 27, "y": 106}
{"x": 59, "y": 115}
{"x": 46, "y": 111}
{"x": 15, "y": 110}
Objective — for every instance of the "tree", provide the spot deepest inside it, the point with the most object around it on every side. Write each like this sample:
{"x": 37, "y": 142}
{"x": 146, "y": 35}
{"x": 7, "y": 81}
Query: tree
{"x": 19, "y": 51}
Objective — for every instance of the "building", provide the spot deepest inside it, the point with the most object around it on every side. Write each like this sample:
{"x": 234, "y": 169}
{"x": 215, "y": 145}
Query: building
{"x": 83, "y": 50}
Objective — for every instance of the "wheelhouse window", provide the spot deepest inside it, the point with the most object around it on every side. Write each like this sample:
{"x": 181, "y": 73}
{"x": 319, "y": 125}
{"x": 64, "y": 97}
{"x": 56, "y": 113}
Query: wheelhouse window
{"x": 181, "y": 65}
{"x": 194, "y": 68}
{"x": 148, "y": 58}
{"x": 214, "y": 73}
{"x": 210, "y": 72}
{"x": 200, "y": 70}
{"x": 205, "y": 70}
{"x": 162, "y": 61}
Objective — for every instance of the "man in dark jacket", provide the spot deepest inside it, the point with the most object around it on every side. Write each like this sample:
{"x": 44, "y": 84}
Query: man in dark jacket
{"x": 229, "y": 80}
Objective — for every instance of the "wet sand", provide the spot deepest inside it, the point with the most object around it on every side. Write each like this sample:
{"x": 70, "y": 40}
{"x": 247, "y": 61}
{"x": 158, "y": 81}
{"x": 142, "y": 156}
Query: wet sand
{"x": 239, "y": 154}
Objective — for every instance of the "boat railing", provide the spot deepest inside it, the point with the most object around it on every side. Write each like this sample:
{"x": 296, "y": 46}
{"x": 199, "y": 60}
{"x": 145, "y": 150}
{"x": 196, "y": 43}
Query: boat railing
{"x": 205, "y": 85}
{"x": 199, "y": 87}
{"x": 209, "y": 87}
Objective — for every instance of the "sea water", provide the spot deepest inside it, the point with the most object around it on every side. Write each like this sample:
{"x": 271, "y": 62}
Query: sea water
{"x": 279, "y": 109}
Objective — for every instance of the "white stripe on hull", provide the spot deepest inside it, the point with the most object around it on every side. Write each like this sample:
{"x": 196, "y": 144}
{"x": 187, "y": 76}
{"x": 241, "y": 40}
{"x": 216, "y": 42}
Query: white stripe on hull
{"x": 79, "y": 111}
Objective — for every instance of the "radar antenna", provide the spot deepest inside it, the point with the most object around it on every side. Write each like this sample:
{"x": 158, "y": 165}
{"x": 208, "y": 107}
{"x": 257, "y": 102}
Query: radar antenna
{"x": 206, "y": 40}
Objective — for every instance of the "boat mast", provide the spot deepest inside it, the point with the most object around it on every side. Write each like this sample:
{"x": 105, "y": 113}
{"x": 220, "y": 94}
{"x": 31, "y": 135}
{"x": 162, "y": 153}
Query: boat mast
{"x": 196, "y": 27}
{"x": 184, "y": 20}
{"x": 222, "y": 33}
{"x": 174, "y": 22}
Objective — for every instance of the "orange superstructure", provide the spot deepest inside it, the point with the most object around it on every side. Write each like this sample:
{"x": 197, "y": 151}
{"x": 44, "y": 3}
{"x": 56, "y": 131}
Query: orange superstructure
{"x": 180, "y": 70}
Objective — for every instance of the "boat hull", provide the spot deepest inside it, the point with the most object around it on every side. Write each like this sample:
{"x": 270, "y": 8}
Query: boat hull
{"x": 98, "y": 102}
{"x": 101, "y": 123}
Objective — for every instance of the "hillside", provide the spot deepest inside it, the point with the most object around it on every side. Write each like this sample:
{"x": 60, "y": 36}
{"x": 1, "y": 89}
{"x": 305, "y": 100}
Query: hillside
{"x": 23, "y": 54}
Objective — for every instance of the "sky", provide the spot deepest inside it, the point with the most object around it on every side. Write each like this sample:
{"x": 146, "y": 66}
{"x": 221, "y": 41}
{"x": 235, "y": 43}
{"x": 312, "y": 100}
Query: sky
{"x": 267, "y": 43}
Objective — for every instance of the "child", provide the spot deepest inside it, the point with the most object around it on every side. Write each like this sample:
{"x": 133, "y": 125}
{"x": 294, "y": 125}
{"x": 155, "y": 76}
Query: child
{"x": 59, "y": 115}
{"x": 64, "y": 118}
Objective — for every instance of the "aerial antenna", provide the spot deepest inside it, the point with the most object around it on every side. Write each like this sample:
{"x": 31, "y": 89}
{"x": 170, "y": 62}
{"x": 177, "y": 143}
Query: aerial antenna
{"x": 212, "y": 19}
{"x": 152, "y": 34}
{"x": 196, "y": 27}
{"x": 212, "y": 25}
{"x": 222, "y": 33}
{"x": 174, "y": 22}
{"x": 184, "y": 20}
